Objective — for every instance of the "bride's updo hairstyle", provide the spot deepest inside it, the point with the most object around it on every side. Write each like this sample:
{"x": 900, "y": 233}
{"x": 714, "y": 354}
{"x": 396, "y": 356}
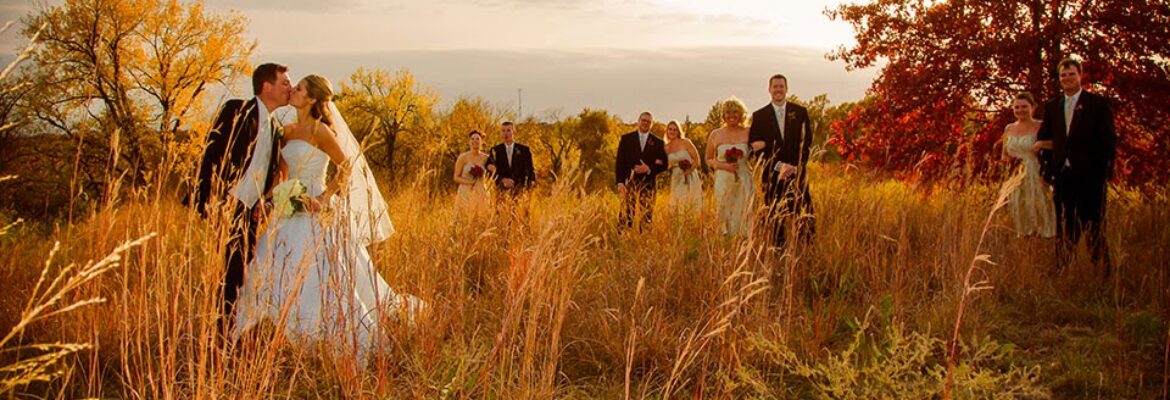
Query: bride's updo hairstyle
{"x": 318, "y": 88}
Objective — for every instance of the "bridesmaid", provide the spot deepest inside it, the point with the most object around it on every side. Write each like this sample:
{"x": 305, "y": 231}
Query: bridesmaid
{"x": 734, "y": 184}
{"x": 686, "y": 188}
{"x": 471, "y": 174}
{"x": 1030, "y": 201}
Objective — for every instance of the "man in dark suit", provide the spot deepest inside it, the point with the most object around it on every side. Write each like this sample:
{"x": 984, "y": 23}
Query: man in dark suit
{"x": 239, "y": 166}
{"x": 1080, "y": 142}
{"x": 781, "y": 137}
{"x": 511, "y": 162}
{"x": 641, "y": 156}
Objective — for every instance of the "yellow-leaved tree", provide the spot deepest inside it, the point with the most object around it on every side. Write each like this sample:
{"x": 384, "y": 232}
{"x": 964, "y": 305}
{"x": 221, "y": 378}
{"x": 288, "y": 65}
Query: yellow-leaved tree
{"x": 390, "y": 114}
{"x": 120, "y": 79}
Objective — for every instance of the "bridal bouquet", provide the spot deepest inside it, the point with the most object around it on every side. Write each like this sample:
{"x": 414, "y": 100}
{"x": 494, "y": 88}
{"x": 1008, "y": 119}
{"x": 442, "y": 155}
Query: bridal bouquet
{"x": 685, "y": 166}
{"x": 288, "y": 198}
{"x": 476, "y": 172}
{"x": 733, "y": 155}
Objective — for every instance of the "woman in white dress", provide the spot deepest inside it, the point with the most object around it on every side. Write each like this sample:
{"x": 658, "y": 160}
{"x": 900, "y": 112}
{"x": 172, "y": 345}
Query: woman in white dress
{"x": 471, "y": 175}
{"x": 312, "y": 275}
{"x": 1030, "y": 201}
{"x": 734, "y": 184}
{"x": 686, "y": 188}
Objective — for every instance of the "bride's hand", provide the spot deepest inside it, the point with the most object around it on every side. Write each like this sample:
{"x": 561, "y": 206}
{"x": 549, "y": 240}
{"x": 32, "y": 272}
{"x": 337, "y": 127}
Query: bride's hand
{"x": 731, "y": 167}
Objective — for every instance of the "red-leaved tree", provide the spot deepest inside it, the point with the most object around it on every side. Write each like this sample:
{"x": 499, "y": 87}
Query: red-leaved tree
{"x": 951, "y": 68}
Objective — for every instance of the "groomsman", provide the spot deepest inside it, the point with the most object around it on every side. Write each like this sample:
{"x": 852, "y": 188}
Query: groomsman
{"x": 1079, "y": 134}
{"x": 511, "y": 162}
{"x": 781, "y": 136}
{"x": 641, "y": 156}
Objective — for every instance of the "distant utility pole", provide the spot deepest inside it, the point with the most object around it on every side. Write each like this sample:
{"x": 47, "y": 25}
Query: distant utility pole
{"x": 519, "y": 104}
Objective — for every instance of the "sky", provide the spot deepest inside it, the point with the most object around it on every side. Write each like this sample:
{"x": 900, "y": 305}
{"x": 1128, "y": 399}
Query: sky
{"x": 672, "y": 57}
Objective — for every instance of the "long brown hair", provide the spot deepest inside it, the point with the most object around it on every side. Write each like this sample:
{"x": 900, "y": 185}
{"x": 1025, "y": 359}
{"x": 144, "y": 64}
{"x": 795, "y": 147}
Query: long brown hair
{"x": 318, "y": 88}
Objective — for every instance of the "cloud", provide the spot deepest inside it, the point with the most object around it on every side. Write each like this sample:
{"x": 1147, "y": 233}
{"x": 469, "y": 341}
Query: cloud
{"x": 338, "y": 6}
{"x": 555, "y": 4}
{"x": 740, "y": 20}
{"x": 673, "y": 83}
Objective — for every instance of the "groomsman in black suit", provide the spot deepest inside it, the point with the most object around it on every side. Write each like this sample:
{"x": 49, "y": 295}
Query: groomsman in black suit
{"x": 511, "y": 162}
{"x": 1077, "y": 143}
{"x": 641, "y": 156}
{"x": 239, "y": 166}
{"x": 781, "y": 136}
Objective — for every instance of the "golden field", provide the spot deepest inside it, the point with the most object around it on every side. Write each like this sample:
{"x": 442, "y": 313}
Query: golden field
{"x": 555, "y": 302}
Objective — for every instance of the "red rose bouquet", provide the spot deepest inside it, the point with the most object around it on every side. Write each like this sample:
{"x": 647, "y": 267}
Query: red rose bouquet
{"x": 733, "y": 155}
{"x": 685, "y": 166}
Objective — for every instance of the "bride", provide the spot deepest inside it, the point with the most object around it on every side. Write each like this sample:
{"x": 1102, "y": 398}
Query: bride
{"x": 311, "y": 274}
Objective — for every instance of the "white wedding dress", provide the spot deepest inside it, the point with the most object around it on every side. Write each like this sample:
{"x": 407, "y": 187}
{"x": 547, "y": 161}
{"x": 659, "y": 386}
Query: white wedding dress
{"x": 310, "y": 278}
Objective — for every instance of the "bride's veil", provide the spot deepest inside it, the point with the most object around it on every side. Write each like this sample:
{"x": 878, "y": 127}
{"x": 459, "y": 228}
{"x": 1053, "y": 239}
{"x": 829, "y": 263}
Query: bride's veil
{"x": 365, "y": 211}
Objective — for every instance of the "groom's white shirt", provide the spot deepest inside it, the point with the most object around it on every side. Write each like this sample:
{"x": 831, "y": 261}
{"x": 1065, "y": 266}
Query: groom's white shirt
{"x": 250, "y": 186}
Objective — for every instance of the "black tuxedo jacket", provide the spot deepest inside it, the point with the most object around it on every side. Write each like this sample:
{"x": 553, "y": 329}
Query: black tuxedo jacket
{"x": 229, "y": 150}
{"x": 792, "y": 148}
{"x": 1089, "y": 144}
{"x": 520, "y": 170}
{"x": 630, "y": 153}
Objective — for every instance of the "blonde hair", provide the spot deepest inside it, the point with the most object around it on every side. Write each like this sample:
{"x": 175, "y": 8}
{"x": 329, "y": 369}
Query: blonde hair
{"x": 735, "y": 105}
{"x": 318, "y": 88}
{"x": 681, "y": 133}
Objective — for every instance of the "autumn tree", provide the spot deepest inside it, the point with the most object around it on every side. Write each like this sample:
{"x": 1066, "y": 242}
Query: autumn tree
{"x": 596, "y": 138}
{"x": 121, "y": 78}
{"x": 384, "y": 110}
{"x": 449, "y": 139}
{"x": 32, "y": 182}
{"x": 950, "y": 69}
{"x": 556, "y": 140}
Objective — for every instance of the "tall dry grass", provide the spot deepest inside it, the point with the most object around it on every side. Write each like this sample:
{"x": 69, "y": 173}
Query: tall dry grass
{"x": 547, "y": 299}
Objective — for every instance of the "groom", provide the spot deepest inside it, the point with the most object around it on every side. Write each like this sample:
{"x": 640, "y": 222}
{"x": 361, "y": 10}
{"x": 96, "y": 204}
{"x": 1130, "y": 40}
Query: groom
{"x": 781, "y": 136}
{"x": 1078, "y": 130}
{"x": 641, "y": 156}
{"x": 240, "y": 162}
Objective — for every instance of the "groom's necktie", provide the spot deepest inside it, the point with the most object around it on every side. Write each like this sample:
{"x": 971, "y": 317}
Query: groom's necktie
{"x": 780, "y": 120}
{"x": 508, "y": 149}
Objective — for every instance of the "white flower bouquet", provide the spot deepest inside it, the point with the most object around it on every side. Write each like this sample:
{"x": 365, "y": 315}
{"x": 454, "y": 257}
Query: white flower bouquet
{"x": 288, "y": 198}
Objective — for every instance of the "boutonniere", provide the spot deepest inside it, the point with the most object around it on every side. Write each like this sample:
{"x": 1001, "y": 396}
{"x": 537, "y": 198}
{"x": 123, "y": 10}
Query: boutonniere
{"x": 1077, "y": 108}
{"x": 792, "y": 114}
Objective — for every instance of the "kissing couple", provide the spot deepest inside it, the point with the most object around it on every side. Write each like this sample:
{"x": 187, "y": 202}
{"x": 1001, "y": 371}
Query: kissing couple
{"x": 297, "y": 252}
